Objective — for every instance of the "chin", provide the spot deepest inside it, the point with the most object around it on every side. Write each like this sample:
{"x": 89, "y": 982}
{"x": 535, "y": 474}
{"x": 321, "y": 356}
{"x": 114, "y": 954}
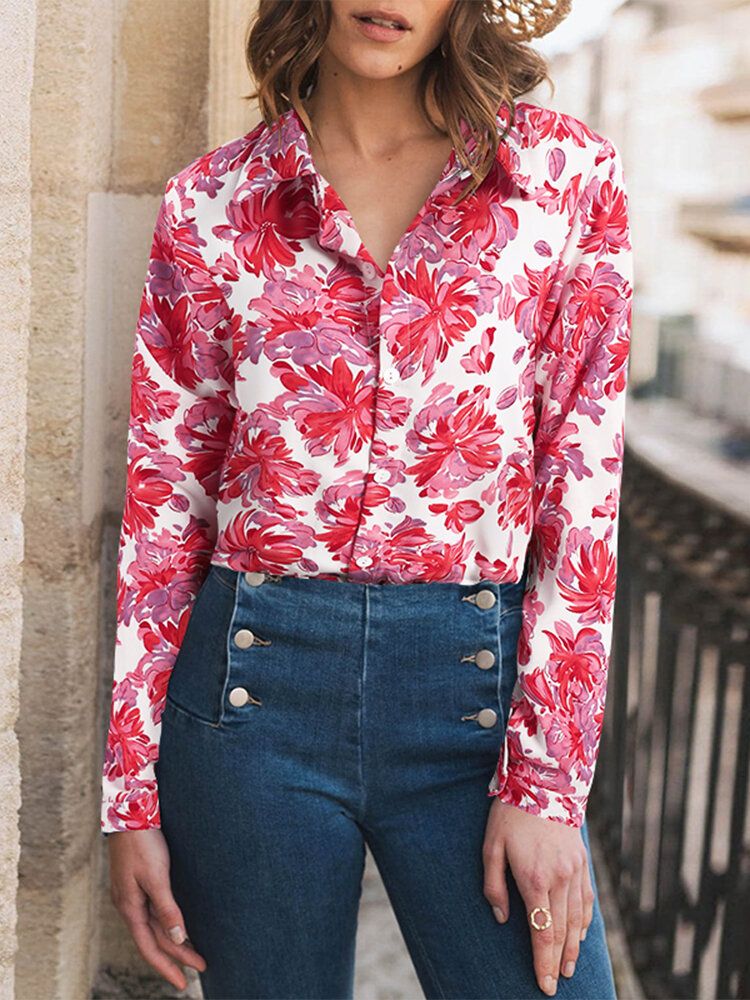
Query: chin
{"x": 361, "y": 60}
{"x": 382, "y": 68}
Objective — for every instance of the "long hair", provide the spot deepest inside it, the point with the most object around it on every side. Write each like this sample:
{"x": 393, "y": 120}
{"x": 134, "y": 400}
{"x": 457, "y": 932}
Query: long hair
{"x": 483, "y": 61}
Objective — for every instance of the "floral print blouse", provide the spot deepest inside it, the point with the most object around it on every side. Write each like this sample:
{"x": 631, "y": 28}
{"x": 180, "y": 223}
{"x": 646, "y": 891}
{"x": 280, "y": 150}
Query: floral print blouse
{"x": 297, "y": 410}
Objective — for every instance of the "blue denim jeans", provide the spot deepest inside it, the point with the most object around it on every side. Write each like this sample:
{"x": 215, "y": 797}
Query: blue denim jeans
{"x": 306, "y": 718}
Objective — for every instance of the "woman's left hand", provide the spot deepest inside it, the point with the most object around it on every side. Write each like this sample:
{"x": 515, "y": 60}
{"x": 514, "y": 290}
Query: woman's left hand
{"x": 549, "y": 863}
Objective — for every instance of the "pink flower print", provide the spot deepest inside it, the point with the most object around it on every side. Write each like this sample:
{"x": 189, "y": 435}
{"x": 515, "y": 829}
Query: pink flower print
{"x": 456, "y": 441}
{"x": 439, "y": 315}
{"x": 265, "y": 232}
{"x": 263, "y": 465}
{"x": 266, "y": 540}
{"x": 331, "y": 409}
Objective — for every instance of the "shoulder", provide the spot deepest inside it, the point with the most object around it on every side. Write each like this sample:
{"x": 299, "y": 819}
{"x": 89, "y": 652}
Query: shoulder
{"x": 536, "y": 125}
{"x": 549, "y": 142}
{"x": 220, "y": 169}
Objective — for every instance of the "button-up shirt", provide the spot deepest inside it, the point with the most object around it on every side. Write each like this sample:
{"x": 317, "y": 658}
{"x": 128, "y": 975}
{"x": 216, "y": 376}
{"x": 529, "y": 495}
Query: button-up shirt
{"x": 298, "y": 410}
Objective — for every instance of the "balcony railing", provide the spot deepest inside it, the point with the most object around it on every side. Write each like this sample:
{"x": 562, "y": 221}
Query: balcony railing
{"x": 670, "y": 802}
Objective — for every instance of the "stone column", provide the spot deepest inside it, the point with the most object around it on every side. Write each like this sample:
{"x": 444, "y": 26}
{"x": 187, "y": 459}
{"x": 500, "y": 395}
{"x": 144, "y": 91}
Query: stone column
{"x": 229, "y": 115}
{"x": 118, "y": 104}
{"x": 16, "y": 77}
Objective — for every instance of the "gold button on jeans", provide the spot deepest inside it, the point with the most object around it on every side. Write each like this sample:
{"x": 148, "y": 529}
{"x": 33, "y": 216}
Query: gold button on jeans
{"x": 485, "y": 599}
{"x": 238, "y": 697}
{"x": 485, "y": 659}
{"x": 244, "y": 638}
{"x": 487, "y": 718}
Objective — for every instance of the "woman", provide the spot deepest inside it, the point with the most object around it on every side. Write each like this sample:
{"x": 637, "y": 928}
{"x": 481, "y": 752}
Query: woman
{"x": 368, "y": 548}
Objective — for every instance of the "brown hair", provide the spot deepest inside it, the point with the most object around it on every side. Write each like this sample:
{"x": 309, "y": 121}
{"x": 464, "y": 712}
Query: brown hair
{"x": 483, "y": 61}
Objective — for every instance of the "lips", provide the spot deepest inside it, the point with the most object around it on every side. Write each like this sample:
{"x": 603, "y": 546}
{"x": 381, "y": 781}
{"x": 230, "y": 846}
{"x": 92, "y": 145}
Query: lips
{"x": 384, "y": 18}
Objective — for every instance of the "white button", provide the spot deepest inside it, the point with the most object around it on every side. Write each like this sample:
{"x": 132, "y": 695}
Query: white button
{"x": 239, "y": 697}
{"x": 485, "y": 659}
{"x": 390, "y": 375}
{"x": 485, "y": 599}
{"x": 368, "y": 271}
{"x": 255, "y": 579}
{"x": 244, "y": 638}
{"x": 487, "y": 718}
{"x": 381, "y": 475}
{"x": 365, "y": 561}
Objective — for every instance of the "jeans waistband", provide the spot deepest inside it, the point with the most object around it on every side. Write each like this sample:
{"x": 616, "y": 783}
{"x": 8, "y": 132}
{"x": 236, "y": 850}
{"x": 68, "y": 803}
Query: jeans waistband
{"x": 510, "y": 592}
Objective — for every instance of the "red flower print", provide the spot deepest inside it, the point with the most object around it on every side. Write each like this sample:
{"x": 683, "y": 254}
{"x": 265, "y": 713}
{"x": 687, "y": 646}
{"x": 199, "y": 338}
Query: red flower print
{"x": 151, "y": 480}
{"x": 606, "y": 225}
{"x": 439, "y": 316}
{"x": 587, "y": 580}
{"x": 456, "y": 441}
{"x": 149, "y": 402}
{"x": 128, "y": 746}
{"x": 263, "y": 466}
{"x": 203, "y": 434}
{"x": 265, "y": 540}
{"x": 266, "y": 233}
{"x": 332, "y": 409}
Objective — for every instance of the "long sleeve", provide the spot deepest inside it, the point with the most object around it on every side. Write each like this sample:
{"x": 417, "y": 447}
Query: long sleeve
{"x": 553, "y": 731}
{"x": 181, "y": 412}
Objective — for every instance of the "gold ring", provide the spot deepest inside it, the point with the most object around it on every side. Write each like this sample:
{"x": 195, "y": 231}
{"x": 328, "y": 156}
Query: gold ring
{"x": 548, "y": 915}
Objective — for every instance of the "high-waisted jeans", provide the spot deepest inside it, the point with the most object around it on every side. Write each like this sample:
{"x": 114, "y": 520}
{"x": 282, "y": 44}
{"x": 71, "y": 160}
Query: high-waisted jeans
{"x": 306, "y": 718}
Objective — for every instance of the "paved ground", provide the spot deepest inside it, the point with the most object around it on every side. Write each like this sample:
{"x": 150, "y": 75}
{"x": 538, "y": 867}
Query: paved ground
{"x": 383, "y": 968}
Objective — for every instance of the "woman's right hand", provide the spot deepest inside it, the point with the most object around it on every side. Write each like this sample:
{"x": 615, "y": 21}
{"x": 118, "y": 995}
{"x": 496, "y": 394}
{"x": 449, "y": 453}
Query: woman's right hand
{"x": 549, "y": 862}
{"x": 141, "y": 891}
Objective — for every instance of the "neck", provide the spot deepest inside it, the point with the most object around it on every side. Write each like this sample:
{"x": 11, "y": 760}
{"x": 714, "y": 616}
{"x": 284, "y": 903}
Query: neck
{"x": 368, "y": 117}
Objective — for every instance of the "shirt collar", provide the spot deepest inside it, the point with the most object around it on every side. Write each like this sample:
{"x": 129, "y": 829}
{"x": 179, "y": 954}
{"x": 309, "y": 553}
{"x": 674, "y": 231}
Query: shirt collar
{"x": 282, "y": 151}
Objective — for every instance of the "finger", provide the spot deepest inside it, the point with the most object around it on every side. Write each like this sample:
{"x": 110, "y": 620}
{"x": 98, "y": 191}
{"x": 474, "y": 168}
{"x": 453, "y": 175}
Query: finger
{"x": 135, "y": 914}
{"x": 558, "y": 897}
{"x": 587, "y": 891}
{"x": 184, "y": 953}
{"x": 163, "y": 906}
{"x": 542, "y": 939}
{"x": 572, "y": 943}
{"x": 495, "y": 882}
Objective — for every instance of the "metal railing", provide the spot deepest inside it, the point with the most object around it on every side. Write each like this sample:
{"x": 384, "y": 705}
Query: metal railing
{"x": 670, "y": 802}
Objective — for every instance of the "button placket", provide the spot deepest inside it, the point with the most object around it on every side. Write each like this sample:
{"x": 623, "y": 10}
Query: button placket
{"x": 364, "y": 556}
{"x": 245, "y": 638}
{"x": 389, "y": 372}
{"x": 484, "y": 658}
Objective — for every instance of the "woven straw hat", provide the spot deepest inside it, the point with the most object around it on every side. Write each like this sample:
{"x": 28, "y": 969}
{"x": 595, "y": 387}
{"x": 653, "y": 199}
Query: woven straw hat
{"x": 531, "y": 18}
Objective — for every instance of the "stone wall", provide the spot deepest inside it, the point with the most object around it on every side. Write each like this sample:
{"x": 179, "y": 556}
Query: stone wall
{"x": 16, "y": 77}
{"x": 109, "y": 98}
